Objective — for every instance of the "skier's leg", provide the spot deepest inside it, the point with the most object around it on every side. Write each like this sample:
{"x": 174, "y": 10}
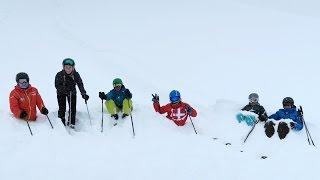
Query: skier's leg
{"x": 127, "y": 106}
{"x": 111, "y": 107}
{"x": 62, "y": 107}
{"x": 73, "y": 109}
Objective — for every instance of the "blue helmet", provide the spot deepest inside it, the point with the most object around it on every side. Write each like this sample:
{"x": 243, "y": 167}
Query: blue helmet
{"x": 174, "y": 96}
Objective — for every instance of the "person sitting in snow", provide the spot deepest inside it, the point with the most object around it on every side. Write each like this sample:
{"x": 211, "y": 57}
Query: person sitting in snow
{"x": 24, "y": 99}
{"x": 255, "y": 108}
{"x": 289, "y": 112}
{"x": 118, "y": 99}
{"x": 176, "y": 110}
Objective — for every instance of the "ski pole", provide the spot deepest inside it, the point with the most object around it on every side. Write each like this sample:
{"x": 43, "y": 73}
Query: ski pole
{"x": 304, "y": 123}
{"x": 307, "y": 130}
{"x": 101, "y": 115}
{"x": 254, "y": 125}
{"x": 193, "y": 125}
{"x": 29, "y": 128}
{"x": 88, "y": 112}
{"x": 49, "y": 121}
{"x": 133, "y": 132}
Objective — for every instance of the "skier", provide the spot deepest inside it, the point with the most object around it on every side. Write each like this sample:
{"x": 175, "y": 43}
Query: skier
{"x": 289, "y": 111}
{"x": 176, "y": 110}
{"x": 65, "y": 83}
{"x": 118, "y": 99}
{"x": 24, "y": 99}
{"x": 253, "y": 107}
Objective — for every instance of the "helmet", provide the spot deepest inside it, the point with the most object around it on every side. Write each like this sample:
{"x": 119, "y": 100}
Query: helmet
{"x": 288, "y": 101}
{"x": 174, "y": 96}
{"x": 253, "y": 97}
{"x": 117, "y": 81}
{"x": 22, "y": 75}
{"x": 68, "y": 61}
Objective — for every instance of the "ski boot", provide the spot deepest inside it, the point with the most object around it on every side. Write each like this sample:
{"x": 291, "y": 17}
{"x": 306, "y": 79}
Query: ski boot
{"x": 124, "y": 115}
{"x": 115, "y": 116}
{"x": 240, "y": 117}
{"x": 283, "y": 130}
{"x": 269, "y": 129}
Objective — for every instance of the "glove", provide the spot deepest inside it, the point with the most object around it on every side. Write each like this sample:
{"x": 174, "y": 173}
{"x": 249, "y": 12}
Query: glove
{"x": 155, "y": 98}
{"x": 85, "y": 97}
{"x": 44, "y": 111}
{"x": 292, "y": 125}
{"x": 102, "y": 95}
{"x": 189, "y": 110}
{"x": 300, "y": 113}
{"x": 127, "y": 94}
{"x": 23, "y": 115}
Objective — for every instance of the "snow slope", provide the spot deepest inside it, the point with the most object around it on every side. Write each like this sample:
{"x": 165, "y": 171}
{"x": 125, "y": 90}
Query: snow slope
{"x": 214, "y": 52}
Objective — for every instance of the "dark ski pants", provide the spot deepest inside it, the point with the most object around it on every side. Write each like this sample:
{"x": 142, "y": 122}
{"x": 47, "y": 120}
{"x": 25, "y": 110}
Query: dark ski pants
{"x": 62, "y": 107}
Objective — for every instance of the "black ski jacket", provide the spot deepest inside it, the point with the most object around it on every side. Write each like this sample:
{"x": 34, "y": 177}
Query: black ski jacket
{"x": 258, "y": 109}
{"x": 66, "y": 83}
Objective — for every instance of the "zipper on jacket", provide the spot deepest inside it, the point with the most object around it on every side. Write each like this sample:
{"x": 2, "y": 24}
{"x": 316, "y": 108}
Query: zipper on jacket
{"x": 25, "y": 92}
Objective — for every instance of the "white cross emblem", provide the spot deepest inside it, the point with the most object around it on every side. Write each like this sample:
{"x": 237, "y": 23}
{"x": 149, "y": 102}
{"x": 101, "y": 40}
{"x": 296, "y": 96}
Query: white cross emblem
{"x": 178, "y": 115}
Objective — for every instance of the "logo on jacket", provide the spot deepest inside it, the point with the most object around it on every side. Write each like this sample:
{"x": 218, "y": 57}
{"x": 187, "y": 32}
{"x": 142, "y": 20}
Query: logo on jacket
{"x": 178, "y": 115}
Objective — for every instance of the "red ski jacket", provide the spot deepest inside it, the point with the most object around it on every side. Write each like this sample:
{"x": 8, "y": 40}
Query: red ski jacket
{"x": 175, "y": 112}
{"x": 25, "y": 100}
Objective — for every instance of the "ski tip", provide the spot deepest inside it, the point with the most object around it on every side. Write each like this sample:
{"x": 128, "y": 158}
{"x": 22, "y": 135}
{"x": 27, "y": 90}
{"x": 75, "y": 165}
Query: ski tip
{"x": 228, "y": 144}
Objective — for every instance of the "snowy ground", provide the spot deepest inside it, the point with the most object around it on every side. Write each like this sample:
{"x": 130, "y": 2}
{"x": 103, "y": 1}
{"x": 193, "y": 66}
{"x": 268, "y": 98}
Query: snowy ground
{"x": 214, "y": 52}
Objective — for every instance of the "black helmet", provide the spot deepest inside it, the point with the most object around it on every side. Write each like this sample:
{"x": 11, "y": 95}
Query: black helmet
{"x": 68, "y": 61}
{"x": 288, "y": 101}
{"x": 22, "y": 75}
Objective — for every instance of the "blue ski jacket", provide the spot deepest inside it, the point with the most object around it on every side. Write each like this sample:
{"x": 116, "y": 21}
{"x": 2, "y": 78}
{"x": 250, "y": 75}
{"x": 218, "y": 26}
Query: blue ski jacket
{"x": 290, "y": 113}
{"x": 118, "y": 96}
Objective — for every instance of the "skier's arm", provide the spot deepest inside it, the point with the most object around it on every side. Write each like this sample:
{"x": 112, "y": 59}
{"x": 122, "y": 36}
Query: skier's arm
{"x": 80, "y": 83}
{"x": 298, "y": 123}
{"x": 59, "y": 83}
{"x": 127, "y": 94}
{"x": 275, "y": 116}
{"x": 263, "y": 114}
{"x": 245, "y": 108}
{"x": 193, "y": 111}
{"x": 39, "y": 101}
{"x": 14, "y": 105}
{"x": 160, "y": 109}
{"x": 110, "y": 95}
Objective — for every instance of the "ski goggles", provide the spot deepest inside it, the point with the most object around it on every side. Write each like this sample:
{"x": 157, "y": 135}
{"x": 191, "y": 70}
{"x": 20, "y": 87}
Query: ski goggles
{"x": 117, "y": 85}
{"x": 287, "y": 105}
{"x": 254, "y": 100}
{"x": 23, "y": 83}
{"x": 68, "y": 62}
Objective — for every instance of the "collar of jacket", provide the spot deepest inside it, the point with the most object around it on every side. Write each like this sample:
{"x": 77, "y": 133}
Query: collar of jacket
{"x": 176, "y": 105}
{"x": 122, "y": 88}
{"x": 71, "y": 74}
{"x": 20, "y": 89}
{"x": 289, "y": 110}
